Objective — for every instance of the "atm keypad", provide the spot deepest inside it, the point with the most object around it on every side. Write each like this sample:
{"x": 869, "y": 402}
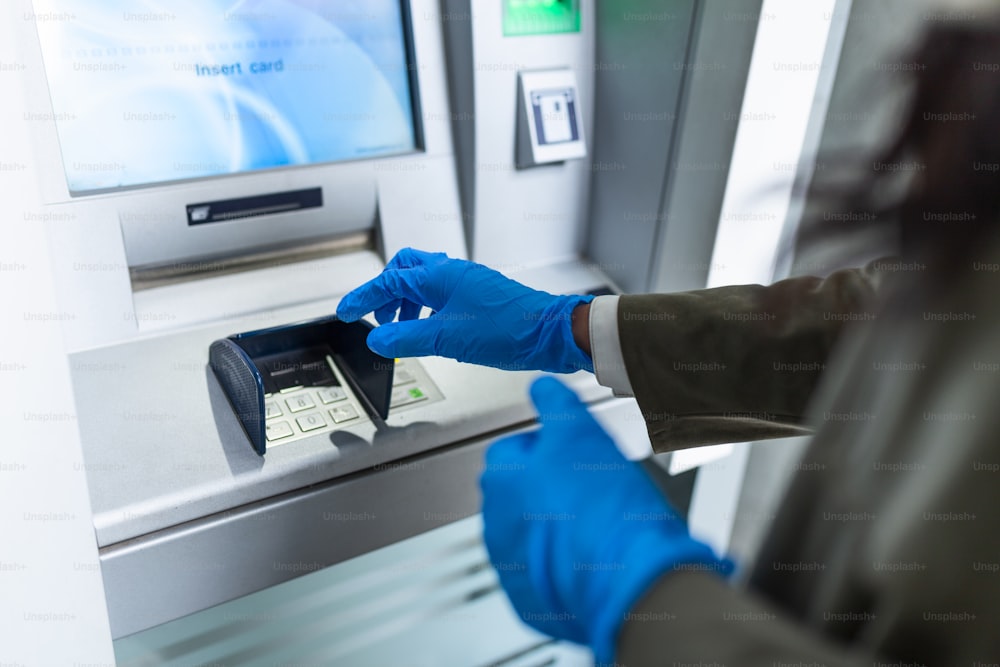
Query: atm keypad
{"x": 300, "y": 403}
{"x": 331, "y": 395}
{"x": 296, "y": 412}
{"x": 405, "y": 395}
{"x": 343, "y": 414}
{"x": 310, "y": 422}
{"x": 402, "y": 376}
{"x": 312, "y": 410}
{"x": 278, "y": 430}
{"x": 411, "y": 387}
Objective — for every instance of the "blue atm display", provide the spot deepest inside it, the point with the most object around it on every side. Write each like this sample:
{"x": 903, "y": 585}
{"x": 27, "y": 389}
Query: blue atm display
{"x": 152, "y": 92}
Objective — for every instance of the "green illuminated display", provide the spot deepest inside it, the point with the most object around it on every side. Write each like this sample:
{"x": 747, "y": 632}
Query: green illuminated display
{"x": 540, "y": 17}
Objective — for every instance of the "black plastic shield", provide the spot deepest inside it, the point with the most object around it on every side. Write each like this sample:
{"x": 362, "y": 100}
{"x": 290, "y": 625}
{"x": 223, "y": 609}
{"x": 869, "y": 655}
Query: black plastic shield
{"x": 244, "y": 364}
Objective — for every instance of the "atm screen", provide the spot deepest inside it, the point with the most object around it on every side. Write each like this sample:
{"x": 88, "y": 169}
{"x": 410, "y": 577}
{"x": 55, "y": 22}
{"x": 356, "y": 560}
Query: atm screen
{"x": 152, "y": 92}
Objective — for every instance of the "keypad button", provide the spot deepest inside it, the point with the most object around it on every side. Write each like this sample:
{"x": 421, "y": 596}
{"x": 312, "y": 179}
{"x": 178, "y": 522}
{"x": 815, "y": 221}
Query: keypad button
{"x": 279, "y": 430}
{"x": 311, "y": 422}
{"x": 300, "y": 403}
{"x": 331, "y": 394}
{"x": 406, "y": 395}
{"x": 402, "y": 376}
{"x": 343, "y": 413}
{"x": 271, "y": 410}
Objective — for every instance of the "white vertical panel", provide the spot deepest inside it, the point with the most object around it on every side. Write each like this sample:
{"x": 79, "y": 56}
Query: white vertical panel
{"x": 781, "y": 86}
{"x": 52, "y": 609}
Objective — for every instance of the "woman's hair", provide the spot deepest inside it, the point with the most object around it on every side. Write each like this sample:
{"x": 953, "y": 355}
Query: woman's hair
{"x": 934, "y": 193}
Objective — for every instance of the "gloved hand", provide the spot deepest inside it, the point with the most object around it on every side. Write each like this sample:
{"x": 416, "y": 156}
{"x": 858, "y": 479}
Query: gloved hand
{"x": 480, "y": 315}
{"x": 576, "y": 532}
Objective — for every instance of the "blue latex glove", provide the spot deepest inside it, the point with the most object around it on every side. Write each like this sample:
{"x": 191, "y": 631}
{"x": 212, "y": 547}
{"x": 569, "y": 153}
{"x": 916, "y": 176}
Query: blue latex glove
{"x": 576, "y": 532}
{"x": 480, "y": 315}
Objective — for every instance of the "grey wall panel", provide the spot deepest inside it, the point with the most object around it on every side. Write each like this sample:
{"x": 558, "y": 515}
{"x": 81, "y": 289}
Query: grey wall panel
{"x": 526, "y": 217}
{"x": 641, "y": 49}
{"x": 514, "y": 218}
{"x": 456, "y": 15}
{"x": 711, "y": 102}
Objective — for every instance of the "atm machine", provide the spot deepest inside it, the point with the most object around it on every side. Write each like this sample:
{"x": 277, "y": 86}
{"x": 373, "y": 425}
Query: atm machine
{"x": 217, "y": 171}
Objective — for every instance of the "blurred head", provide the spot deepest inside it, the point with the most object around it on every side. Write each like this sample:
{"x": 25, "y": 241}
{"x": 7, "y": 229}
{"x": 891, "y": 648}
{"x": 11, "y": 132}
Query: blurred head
{"x": 953, "y": 130}
{"x": 944, "y": 204}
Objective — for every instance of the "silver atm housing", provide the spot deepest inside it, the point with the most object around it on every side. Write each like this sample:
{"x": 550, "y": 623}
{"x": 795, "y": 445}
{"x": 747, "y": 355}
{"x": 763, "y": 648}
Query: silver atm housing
{"x": 186, "y": 516}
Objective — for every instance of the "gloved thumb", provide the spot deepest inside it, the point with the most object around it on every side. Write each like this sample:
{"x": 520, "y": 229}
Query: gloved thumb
{"x": 558, "y": 406}
{"x": 413, "y": 338}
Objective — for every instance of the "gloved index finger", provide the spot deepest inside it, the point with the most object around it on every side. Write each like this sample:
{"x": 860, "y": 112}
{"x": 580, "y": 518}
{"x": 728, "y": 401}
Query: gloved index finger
{"x": 560, "y": 408}
{"x": 387, "y": 287}
{"x": 510, "y": 453}
{"x": 408, "y": 258}
{"x": 555, "y": 401}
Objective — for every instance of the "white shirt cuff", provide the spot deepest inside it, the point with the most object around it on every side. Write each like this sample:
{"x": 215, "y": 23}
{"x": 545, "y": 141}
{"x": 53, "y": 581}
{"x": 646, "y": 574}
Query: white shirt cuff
{"x": 606, "y": 347}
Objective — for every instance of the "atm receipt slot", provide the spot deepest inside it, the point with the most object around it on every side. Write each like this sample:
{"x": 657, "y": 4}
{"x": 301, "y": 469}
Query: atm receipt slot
{"x": 263, "y": 372}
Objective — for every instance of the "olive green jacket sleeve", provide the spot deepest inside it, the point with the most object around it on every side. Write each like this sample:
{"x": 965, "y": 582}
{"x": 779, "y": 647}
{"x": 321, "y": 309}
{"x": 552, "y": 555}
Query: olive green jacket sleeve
{"x": 735, "y": 364}
{"x": 726, "y": 365}
{"x": 884, "y": 548}
{"x": 696, "y": 618}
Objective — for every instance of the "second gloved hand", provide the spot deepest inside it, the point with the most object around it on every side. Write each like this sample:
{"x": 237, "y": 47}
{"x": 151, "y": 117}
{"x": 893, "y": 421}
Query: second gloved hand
{"x": 576, "y": 532}
{"x": 480, "y": 316}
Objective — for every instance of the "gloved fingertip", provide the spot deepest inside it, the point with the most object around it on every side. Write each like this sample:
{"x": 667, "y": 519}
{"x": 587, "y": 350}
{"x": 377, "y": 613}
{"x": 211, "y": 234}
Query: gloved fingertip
{"x": 546, "y": 385}
{"x": 408, "y": 310}
{"x": 385, "y": 316}
{"x": 347, "y": 311}
{"x": 508, "y": 452}
{"x": 382, "y": 342}
{"x": 551, "y": 395}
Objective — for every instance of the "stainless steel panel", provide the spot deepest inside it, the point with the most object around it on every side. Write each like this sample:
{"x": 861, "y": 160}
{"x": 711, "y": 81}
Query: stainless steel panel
{"x": 712, "y": 99}
{"x": 181, "y": 570}
{"x": 162, "y": 445}
{"x": 670, "y": 83}
{"x": 642, "y": 48}
{"x": 431, "y": 600}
